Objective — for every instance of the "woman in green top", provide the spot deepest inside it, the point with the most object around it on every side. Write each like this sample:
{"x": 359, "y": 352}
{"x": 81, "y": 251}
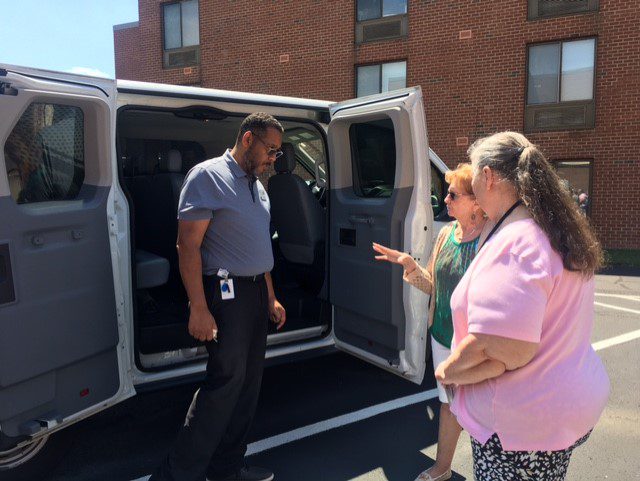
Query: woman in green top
{"x": 454, "y": 250}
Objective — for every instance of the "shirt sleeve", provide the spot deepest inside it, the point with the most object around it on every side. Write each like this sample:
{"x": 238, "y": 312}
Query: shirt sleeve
{"x": 419, "y": 278}
{"x": 508, "y": 297}
{"x": 197, "y": 197}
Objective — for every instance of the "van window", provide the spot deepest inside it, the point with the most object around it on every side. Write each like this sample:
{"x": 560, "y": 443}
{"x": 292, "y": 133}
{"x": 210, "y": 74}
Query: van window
{"x": 309, "y": 148}
{"x": 44, "y": 154}
{"x": 373, "y": 150}
{"x": 437, "y": 190}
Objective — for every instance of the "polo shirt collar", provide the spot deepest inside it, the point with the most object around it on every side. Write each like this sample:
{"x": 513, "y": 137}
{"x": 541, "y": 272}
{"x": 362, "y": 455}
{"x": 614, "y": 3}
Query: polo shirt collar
{"x": 233, "y": 165}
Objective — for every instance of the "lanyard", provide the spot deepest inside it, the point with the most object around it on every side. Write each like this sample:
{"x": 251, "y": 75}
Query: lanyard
{"x": 499, "y": 223}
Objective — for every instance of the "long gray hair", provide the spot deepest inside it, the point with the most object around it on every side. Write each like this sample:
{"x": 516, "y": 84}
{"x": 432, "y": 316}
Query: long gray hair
{"x": 544, "y": 194}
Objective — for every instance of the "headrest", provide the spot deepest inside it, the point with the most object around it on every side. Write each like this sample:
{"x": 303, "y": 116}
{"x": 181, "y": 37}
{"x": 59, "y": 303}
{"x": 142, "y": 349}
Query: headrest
{"x": 171, "y": 162}
{"x": 287, "y": 161}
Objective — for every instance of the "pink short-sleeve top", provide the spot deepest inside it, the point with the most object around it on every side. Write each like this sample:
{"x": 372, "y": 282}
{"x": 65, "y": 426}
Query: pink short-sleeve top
{"x": 517, "y": 288}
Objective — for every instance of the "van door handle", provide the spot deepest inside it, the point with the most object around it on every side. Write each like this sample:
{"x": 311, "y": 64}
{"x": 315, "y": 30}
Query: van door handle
{"x": 7, "y": 289}
{"x": 361, "y": 219}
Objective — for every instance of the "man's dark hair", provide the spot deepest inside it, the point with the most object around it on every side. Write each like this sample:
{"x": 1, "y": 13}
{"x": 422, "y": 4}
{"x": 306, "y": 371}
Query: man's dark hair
{"x": 258, "y": 123}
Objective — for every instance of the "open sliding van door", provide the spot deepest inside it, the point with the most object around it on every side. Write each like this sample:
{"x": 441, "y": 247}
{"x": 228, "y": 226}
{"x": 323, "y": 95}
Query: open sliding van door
{"x": 379, "y": 192}
{"x": 63, "y": 354}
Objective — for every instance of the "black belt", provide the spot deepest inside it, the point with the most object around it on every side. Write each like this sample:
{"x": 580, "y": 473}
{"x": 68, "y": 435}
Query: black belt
{"x": 256, "y": 278}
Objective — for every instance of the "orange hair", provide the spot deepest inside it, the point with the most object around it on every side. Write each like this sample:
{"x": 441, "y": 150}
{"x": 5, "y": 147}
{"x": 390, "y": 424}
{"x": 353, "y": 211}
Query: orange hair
{"x": 462, "y": 175}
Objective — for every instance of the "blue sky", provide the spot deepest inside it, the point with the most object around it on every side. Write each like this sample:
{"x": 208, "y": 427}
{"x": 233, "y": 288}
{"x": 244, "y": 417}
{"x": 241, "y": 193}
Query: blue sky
{"x": 66, "y": 35}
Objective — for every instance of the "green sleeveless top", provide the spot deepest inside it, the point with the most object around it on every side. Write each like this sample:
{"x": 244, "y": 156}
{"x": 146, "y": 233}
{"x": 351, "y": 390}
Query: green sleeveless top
{"x": 451, "y": 264}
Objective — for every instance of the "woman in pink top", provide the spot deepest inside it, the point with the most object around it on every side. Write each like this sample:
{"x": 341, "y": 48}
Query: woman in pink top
{"x": 529, "y": 387}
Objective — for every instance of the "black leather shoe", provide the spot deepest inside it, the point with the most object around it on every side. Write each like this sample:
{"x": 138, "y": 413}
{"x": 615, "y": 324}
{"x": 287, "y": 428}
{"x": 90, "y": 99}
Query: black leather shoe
{"x": 247, "y": 473}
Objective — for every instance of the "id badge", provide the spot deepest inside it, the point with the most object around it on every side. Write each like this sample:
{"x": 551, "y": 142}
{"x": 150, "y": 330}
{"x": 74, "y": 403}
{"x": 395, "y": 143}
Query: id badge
{"x": 227, "y": 290}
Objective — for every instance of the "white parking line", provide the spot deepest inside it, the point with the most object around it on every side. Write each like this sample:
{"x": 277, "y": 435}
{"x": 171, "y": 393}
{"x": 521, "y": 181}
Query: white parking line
{"x": 356, "y": 416}
{"x": 366, "y": 413}
{"x": 339, "y": 421}
{"x": 617, "y": 308}
{"x": 619, "y": 296}
{"x": 614, "y": 341}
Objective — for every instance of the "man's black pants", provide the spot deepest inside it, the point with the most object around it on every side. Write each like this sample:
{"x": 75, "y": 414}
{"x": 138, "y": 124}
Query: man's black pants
{"x": 212, "y": 441}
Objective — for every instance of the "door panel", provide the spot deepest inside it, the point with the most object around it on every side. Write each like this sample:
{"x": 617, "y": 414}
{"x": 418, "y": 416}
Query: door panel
{"x": 59, "y": 332}
{"x": 379, "y": 192}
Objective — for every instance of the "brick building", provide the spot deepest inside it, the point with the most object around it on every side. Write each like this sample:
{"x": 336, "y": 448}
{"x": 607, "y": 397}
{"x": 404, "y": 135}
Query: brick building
{"x": 565, "y": 72}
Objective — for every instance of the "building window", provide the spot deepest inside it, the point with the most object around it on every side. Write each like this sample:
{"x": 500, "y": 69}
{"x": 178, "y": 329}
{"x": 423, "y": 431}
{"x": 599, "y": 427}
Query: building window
{"x": 554, "y": 8}
{"x": 577, "y": 175}
{"x": 44, "y": 154}
{"x": 181, "y": 34}
{"x": 374, "y": 79}
{"x": 380, "y": 20}
{"x": 373, "y": 150}
{"x": 560, "y": 86}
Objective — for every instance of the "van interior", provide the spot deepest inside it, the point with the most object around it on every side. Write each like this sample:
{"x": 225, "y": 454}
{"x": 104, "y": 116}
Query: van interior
{"x": 156, "y": 149}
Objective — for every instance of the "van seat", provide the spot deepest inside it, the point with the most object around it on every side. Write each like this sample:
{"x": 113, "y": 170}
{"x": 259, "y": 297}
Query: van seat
{"x": 151, "y": 270}
{"x": 155, "y": 197}
{"x": 296, "y": 214}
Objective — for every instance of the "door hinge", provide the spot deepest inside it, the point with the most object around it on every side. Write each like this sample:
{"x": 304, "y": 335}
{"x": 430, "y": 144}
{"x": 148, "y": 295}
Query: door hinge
{"x": 113, "y": 226}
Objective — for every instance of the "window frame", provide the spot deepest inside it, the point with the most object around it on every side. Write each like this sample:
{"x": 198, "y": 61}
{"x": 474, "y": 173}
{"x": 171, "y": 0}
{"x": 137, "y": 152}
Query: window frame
{"x": 589, "y": 105}
{"x": 533, "y": 7}
{"x": 381, "y": 12}
{"x": 380, "y": 64}
{"x": 590, "y": 163}
{"x": 360, "y": 24}
{"x": 166, "y": 51}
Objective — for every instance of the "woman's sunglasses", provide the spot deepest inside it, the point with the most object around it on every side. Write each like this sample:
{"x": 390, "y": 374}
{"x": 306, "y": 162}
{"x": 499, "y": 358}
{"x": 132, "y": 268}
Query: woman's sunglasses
{"x": 453, "y": 195}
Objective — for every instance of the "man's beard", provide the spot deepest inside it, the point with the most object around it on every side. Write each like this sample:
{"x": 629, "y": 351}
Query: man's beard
{"x": 251, "y": 162}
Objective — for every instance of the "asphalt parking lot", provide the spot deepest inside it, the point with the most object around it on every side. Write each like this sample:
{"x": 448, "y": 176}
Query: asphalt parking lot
{"x": 336, "y": 418}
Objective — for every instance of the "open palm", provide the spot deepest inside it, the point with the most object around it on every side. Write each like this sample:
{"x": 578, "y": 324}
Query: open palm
{"x": 394, "y": 256}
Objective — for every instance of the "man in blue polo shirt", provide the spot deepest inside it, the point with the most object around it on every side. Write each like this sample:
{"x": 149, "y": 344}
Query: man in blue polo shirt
{"x": 224, "y": 247}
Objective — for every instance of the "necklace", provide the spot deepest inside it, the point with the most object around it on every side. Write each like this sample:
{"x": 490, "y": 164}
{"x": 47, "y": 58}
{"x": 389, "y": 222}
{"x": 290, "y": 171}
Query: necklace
{"x": 466, "y": 237}
{"x": 499, "y": 223}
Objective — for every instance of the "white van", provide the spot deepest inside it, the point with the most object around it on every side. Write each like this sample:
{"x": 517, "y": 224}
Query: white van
{"x": 91, "y": 303}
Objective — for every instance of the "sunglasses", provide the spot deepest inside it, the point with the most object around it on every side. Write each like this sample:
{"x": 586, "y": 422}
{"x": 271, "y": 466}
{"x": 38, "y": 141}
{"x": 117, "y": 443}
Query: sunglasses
{"x": 270, "y": 151}
{"x": 453, "y": 195}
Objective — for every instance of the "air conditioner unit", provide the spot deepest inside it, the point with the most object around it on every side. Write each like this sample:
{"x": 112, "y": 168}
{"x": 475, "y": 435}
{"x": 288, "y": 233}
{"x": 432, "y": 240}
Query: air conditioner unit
{"x": 381, "y": 29}
{"x": 182, "y": 58}
{"x": 559, "y": 7}
{"x": 552, "y": 8}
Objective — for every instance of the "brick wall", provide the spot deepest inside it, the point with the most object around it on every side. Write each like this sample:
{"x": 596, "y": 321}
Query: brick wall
{"x": 472, "y": 87}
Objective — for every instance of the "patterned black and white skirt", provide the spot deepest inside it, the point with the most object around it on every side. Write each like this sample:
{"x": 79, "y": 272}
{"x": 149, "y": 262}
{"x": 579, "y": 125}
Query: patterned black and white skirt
{"x": 492, "y": 463}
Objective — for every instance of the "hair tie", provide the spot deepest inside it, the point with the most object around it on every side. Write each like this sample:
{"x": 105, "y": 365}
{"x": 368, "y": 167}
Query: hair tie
{"x": 518, "y": 152}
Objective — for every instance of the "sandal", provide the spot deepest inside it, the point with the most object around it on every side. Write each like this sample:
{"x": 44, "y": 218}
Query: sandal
{"x": 425, "y": 476}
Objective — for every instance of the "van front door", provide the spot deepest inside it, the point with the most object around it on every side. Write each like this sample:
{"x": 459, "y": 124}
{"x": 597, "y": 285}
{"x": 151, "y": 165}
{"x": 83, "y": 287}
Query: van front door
{"x": 62, "y": 356}
{"x": 379, "y": 192}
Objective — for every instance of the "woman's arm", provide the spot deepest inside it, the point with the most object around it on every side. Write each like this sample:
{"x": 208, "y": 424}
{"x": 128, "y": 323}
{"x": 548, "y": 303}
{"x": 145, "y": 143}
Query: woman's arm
{"x": 483, "y": 371}
{"x": 413, "y": 273}
{"x": 482, "y": 356}
{"x": 419, "y": 277}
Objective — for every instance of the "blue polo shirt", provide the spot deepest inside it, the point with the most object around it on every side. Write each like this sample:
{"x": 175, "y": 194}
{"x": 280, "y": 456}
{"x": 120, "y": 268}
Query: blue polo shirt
{"x": 237, "y": 238}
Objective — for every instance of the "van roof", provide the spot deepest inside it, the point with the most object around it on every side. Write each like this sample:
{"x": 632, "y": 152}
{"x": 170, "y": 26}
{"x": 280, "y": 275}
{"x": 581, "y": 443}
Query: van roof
{"x": 168, "y": 90}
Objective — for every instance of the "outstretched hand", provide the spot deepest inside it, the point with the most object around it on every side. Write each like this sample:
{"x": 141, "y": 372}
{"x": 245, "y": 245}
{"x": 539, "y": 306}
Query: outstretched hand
{"x": 395, "y": 257}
